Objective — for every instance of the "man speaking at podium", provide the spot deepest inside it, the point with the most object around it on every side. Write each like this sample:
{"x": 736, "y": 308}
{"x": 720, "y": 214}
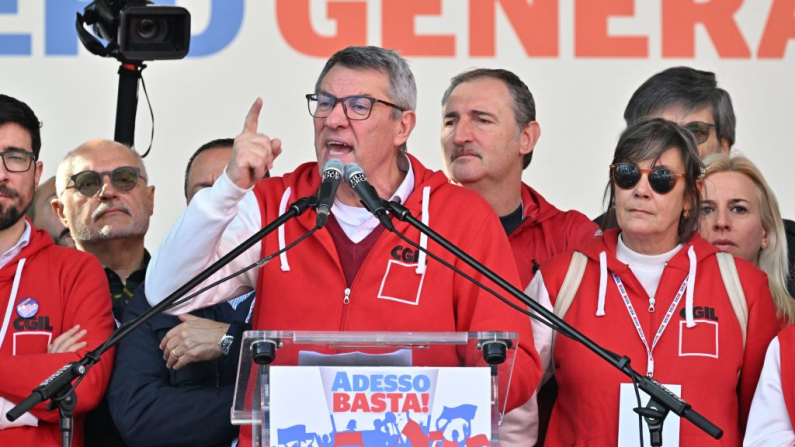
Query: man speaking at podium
{"x": 351, "y": 275}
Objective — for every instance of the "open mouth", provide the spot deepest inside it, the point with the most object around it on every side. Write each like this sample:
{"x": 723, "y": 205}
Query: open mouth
{"x": 338, "y": 148}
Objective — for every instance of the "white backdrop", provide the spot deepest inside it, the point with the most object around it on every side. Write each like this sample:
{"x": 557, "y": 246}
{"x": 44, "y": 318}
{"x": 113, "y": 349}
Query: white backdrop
{"x": 580, "y": 100}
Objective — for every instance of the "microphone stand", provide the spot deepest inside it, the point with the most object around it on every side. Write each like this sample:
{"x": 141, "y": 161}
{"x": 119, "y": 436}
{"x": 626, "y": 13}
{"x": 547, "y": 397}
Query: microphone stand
{"x": 662, "y": 400}
{"x": 59, "y": 388}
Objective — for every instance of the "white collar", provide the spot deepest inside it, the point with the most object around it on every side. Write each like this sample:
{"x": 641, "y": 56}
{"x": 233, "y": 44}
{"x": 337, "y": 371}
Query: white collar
{"x": 12, "y": 252}
{"x": 357, "y": 222}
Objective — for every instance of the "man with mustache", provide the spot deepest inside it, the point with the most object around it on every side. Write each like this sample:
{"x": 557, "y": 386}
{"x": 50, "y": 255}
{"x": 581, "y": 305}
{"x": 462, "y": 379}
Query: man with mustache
{"x": 181, "y": 370}
{"x": 54, "y": 300}
{"x": 42, "y": 215}
{"x": 351, "y": 274}
{"x": 104, "y": 217}
{"x": 104, "y": 200}
{"x": 489, "y": 131}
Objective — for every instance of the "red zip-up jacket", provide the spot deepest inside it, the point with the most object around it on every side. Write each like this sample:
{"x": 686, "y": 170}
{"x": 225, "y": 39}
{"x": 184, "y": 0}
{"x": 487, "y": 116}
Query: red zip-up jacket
{"x": 546, "y": 232}
{"x": 717, "y": 376}
{"x": 391, "y": 292}
{"x": 70, "y": 288}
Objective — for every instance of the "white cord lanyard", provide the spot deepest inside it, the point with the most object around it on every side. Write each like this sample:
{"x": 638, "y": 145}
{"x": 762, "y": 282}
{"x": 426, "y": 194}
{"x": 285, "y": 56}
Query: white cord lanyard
{"x": 639, "y": 328}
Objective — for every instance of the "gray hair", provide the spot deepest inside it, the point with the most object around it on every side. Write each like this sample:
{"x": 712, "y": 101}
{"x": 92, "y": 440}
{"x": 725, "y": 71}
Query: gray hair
{"x": 522, "y": 102}
{"x": 685, "y": 88}
{"x": 402, "y": 88}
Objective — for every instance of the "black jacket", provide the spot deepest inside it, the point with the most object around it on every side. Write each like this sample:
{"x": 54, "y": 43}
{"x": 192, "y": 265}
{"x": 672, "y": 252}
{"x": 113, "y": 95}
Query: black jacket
{"x": 154, "y": 406}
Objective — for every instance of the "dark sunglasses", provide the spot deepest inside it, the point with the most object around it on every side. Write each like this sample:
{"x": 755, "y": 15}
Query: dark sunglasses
{"x": 627, "y": 175}
{"x": 89, "y": 183}
{"x": 700, "y": 130}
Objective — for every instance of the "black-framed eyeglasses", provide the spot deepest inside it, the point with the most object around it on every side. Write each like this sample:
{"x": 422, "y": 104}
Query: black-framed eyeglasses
{"x": 17, "y": 161}
{"x": 355, "y": 107}
{"x": 89, "y": 183}
{"x": 661, "y": 179}
{"x": 700, "y": 130}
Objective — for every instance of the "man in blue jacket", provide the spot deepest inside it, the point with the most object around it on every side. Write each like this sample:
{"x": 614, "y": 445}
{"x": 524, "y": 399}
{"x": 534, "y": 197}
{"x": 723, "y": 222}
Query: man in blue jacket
{"x": 176, "y": 375}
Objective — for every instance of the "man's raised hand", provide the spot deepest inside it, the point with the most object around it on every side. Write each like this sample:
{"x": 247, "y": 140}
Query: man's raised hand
{"x": 253, "y": 153}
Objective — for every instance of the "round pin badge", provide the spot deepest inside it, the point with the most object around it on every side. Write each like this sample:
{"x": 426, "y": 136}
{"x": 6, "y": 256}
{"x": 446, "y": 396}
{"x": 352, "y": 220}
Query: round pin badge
{"x": 27, "y": 307}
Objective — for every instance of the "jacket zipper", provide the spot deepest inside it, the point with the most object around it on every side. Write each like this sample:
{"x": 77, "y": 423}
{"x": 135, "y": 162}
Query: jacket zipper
{"x": 346, "y": 300}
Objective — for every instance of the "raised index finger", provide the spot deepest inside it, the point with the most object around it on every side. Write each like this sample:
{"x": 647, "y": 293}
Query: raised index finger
{"x": 252, "y": 119}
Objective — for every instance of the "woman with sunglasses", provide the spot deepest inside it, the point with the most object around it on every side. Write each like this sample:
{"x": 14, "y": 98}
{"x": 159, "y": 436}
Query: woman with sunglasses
{"x": 740, "y": 216}
{"x": 651, "y": 289}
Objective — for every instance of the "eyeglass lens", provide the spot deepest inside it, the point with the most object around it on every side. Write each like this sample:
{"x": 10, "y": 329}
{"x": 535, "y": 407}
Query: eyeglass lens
{"x": 17, "y": 161}
{"x": 627, "y": 175}
{"x": 700, "y": 130}
{"x": 90, "y": 182}
{"x": 356, "y": 107}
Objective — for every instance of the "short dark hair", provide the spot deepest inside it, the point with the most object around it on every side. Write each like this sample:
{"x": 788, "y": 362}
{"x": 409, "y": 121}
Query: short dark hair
{"x": 689, "y": 89}
{"x": 214, "y": 144}
{"x": 648, "y": 139}
{"x": 13, "y": 110}
{"x": 522, "y": 102}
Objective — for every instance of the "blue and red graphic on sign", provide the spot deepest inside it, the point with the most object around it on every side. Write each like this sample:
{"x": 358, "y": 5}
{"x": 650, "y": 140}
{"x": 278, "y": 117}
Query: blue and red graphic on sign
{"x": 388, "y": 407}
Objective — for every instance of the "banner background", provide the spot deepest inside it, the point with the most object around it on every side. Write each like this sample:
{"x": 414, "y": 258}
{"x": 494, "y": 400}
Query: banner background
{"x": 580, "y": 89}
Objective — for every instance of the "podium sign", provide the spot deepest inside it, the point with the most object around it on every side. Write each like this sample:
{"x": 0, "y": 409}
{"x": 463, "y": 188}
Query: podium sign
{"x": 302, "y": 388}
{"x": 380, "y": 406}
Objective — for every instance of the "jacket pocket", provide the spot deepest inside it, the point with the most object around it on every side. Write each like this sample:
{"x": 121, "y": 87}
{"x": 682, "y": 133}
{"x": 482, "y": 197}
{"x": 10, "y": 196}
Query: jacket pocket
{"x": 401, "y": 283}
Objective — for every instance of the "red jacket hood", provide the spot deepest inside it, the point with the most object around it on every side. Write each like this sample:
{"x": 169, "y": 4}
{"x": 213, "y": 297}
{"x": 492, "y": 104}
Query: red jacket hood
{"x": 305, "y": 183}
{"x": 536, "y": 207}
{"x": 609, "y": 240}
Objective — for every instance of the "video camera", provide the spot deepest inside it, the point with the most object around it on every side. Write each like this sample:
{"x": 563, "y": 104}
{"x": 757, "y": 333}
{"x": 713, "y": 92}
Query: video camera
{"x": 136, "y": 30}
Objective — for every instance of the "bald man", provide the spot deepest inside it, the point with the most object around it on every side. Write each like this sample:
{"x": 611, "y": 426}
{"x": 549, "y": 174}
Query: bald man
{"x": 104, "y": 200}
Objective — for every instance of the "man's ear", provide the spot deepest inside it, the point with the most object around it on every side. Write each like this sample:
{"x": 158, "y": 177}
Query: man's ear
{"x": 38, "y": 168}
{"x": 528, "y": 137}
{"x": 150, "y": 192}
{"x": 57, "y": 209}
{"x": 725, "y": 148}
{"x": 405, "y": 125}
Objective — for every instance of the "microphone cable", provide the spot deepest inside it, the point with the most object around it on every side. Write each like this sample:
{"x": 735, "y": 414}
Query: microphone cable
{"x": 516, "y": 307}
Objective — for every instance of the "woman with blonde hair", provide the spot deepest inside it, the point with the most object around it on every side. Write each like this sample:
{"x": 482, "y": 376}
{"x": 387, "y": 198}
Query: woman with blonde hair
{"x": 740, "y": 215}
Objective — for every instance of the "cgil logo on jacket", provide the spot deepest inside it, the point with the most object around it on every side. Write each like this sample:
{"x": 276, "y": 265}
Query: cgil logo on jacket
{"x": 404, "y": 254}
{"x": 704, "y": 313}
{"x": 33, "y": 324}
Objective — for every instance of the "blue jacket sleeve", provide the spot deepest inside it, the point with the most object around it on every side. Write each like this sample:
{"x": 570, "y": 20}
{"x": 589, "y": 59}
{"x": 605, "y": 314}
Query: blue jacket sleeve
{"x": 148, "y": 408}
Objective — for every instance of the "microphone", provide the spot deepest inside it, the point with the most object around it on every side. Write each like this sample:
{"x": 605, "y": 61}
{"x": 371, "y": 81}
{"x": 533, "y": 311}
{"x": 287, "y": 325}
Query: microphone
{"x": 332, "y": 174}
{"x": 354, "y": 175}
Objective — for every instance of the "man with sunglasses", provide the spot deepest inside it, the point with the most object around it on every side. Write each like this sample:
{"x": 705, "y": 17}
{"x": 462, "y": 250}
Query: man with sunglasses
{"x": 104, "y": 200}
{"x": 181, "y": 370}
{"x": 693, "y": 99}
{"x": 489, "y": 132}
{"x": 47, "y": 293}
{"x": 351, "y": 274}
